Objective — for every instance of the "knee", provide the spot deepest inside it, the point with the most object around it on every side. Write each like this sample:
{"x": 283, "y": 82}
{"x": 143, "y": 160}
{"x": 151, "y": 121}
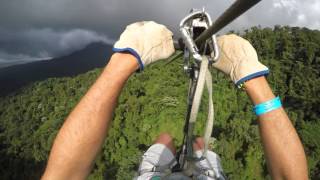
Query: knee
{"x": 164, "y": 138}
{"x": 167, "y": 140}
{"x": 198, "y": 144}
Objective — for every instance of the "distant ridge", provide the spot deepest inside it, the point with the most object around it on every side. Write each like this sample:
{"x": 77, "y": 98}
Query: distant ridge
{"x": 93, "y": 56}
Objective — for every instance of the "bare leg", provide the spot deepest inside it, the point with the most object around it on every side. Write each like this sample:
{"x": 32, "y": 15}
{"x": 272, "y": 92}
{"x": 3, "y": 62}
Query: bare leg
{"x": 198, "y": 144}
{"x": 166, "y": 139}
{"x": 160, "y": 155}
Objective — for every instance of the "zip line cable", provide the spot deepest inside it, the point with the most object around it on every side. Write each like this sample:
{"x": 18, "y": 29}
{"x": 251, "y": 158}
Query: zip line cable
{"x": 235, "y": 10}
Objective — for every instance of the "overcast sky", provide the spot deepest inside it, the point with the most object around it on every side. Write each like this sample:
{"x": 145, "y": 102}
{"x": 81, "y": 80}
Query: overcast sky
{"x": 39, "y": 29}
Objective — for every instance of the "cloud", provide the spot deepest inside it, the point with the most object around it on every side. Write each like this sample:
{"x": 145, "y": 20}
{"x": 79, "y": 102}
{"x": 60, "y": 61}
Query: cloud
{"x": 79, "y": 38}
{"x": 35, "y": 44}
{"x": 111, "y": 16}
{"x": 60, "y": 26}
{"x": 7, "y": 59}
{"x": 301, "y": 13}
{"x": 267, "y": 13}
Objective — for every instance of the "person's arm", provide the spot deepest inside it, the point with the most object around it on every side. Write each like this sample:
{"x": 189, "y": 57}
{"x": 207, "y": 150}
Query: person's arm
{"x": 283, "y": 149}
{"x": 284, "y": 152}
{"x": 81, "y": 136}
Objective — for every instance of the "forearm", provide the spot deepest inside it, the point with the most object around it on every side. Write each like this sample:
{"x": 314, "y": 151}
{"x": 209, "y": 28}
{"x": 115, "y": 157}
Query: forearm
{"x": 83, "y": 133}
{"x": 283, "y": 149}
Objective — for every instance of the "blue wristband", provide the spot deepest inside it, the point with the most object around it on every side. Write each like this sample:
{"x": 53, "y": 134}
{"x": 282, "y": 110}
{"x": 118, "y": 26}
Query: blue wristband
{"x": 267, "y": 106}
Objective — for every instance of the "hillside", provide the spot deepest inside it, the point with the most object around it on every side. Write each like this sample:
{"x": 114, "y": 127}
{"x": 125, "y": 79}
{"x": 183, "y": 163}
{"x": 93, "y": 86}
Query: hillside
{"x": 93, "y": 56}
{"x": 155, "y": 101}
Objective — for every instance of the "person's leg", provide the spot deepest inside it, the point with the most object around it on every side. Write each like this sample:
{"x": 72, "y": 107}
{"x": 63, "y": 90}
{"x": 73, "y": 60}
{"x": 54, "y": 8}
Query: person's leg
{"x": 166, "y": 139}
{"x": 209, "y": 168}
{"x": 159, "y": 158}
{"x": 198, "y": 144}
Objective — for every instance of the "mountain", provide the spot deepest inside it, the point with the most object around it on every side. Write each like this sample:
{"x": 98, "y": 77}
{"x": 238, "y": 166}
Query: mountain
{"x": 93, "y": 56}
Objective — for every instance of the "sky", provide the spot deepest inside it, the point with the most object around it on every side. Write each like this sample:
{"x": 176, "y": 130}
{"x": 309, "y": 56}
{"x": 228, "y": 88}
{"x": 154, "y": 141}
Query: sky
{"x": 33, "y": 30}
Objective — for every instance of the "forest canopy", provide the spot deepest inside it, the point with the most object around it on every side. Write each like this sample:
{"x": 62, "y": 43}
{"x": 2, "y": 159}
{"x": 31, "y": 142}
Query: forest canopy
{"x": 155, "y": 101}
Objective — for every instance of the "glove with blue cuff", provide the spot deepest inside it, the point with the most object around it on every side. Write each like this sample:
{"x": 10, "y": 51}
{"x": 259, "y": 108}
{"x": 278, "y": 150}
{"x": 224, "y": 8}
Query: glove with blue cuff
{"x": 239, "y": 59}
{"x": 147, "y": 41}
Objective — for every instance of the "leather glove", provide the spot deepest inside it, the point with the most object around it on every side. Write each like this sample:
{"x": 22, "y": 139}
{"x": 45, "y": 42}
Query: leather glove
{"x": 147, "y": 41}
{"x": 239, "y": 59}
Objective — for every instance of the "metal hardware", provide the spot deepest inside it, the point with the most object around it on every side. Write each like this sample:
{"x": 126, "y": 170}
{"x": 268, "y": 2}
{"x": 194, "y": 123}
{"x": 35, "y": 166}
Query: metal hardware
{"x": 191, "y": 27}
{"x": 196, "y": 64}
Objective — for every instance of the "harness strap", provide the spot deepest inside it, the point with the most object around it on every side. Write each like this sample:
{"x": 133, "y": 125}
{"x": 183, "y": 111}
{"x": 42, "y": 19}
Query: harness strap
{"x": 199, "y": 90}
{"x": 210, "y": 119}
{"x": 163, "y": 169}
{"x": 204, "y": 78}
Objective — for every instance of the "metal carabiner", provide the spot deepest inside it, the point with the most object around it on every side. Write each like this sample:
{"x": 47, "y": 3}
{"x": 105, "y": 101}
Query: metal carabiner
{"x": 198, "y": 18}
{"x": 186, "y": 31}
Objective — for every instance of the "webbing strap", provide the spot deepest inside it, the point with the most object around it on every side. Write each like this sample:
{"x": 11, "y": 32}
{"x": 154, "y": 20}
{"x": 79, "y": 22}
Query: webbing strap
{"x": 210, "y": 120}
{"x": 204, "y": 78}
{"x": 199, "y": 90}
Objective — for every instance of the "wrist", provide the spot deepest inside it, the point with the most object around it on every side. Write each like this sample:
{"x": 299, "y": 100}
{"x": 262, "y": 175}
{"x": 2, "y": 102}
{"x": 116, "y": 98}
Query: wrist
{"x": 258, "y": 90}
{"x": 130, "y": 51}
{"x": 120, "y": 67}
{"x": 124, "y": 62}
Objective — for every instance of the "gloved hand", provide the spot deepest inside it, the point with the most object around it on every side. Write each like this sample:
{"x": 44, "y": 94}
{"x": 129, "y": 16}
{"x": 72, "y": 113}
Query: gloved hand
{"x": 239, "y": 59}
{"x": 147, "y": 41}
